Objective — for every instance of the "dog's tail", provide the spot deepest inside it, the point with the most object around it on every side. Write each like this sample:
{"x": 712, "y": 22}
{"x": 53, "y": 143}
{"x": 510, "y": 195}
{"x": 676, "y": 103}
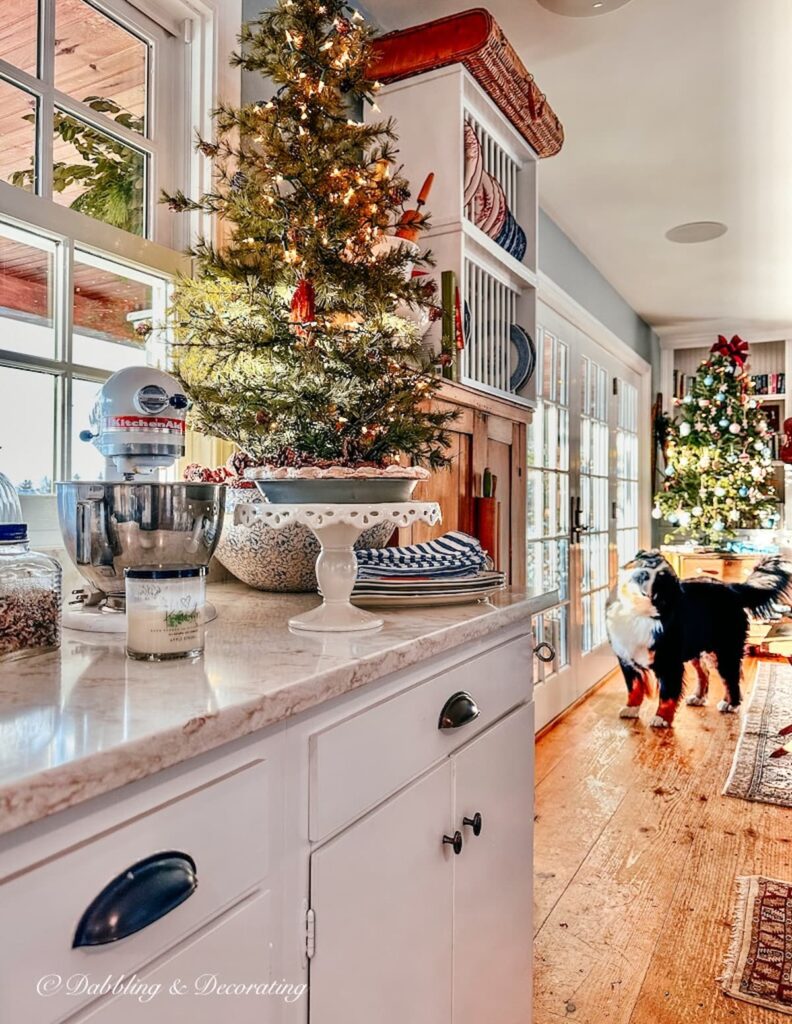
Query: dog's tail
{"x": 770, "y": 581}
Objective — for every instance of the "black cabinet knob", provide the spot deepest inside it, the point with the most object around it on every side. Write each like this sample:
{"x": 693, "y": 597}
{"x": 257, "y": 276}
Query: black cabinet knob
{"x": 459, "y": 709}
{"x": 475, "y": 823}
{"x": 137, "y": 898}
{"x": 454, "y": 841}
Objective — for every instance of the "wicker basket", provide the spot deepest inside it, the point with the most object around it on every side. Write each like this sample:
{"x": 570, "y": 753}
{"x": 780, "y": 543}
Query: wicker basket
{"x": 474, "y": 39}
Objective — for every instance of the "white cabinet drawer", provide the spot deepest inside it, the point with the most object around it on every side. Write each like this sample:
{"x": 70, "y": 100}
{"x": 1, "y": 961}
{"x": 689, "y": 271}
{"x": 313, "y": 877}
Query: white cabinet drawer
{"x": 358, "y": 762}
{"x": 199, "y": 981}
{"x": 224, "y": 827}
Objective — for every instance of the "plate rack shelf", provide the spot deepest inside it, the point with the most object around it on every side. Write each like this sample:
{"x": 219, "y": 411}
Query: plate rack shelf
{"x": 498, "y": 288}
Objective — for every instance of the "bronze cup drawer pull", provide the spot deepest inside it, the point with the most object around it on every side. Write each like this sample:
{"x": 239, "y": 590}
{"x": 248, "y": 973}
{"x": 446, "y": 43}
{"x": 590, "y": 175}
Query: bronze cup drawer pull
{"x": 137, "y": 898}
{"x": 458, "y": 710}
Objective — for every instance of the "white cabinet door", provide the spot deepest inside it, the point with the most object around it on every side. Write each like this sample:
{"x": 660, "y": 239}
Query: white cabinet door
{"x": 382, "y": 892}
{"x": 493, "y": 877}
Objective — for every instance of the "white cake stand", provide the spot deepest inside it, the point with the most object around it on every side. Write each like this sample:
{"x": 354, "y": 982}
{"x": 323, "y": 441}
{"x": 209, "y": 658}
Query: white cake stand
{"x": 337, "y": 527}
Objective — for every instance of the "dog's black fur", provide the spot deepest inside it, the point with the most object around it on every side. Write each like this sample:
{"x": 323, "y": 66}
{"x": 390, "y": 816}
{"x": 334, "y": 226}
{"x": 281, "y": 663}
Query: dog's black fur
{"x": 692, "y": 618}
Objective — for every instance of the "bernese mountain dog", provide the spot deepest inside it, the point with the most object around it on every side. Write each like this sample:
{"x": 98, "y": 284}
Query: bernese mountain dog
{"x": 657, "y": 622}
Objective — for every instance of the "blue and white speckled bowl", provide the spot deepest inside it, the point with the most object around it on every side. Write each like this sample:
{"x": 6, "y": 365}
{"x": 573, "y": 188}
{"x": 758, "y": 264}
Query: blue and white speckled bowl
{"x": 282, "y": 561}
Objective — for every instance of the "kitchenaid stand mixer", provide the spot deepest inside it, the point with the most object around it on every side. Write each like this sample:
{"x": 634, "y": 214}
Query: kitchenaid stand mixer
{"x": 129, "y": 519}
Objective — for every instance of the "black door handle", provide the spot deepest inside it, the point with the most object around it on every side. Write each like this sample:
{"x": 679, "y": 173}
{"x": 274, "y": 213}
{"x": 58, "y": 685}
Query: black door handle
{"x": 137, "y": 898}
{"x": 458, "y": 710}
{"x": 475, "y": 823}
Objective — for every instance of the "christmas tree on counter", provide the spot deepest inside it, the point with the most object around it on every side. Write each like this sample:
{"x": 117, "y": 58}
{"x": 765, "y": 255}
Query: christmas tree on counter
{"x": 718, "y": 469}
{"x": 294, "y": 338}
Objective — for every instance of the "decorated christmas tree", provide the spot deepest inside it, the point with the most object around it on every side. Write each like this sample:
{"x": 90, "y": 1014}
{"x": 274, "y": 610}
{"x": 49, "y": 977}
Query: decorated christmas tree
{"x": 718, "y": 470}
{"x": 295, "y": 338}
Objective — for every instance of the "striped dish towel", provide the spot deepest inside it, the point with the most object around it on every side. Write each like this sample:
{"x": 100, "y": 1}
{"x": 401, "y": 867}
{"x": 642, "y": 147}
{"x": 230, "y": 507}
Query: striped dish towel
{"x": 454, "y": 554}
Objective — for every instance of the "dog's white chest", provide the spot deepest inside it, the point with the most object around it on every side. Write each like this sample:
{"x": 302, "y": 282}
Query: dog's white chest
{"x": 631, "y": 635}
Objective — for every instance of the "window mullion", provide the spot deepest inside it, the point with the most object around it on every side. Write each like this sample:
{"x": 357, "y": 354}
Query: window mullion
{"x": 64, "y": 331}
{"x": 45, "y": 105}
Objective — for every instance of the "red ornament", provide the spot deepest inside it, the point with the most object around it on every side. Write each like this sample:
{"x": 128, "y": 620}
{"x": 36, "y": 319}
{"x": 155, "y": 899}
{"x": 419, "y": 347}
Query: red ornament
{"x": 786, "y": 445}
{"x": 736, "y": 350}
{"x": 303, "y": 303}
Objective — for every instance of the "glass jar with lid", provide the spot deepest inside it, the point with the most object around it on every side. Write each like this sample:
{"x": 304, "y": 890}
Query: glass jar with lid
{"x": 30, "y": 596}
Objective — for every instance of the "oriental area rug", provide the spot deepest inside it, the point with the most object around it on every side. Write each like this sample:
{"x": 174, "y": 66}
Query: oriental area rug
{"x": 762, "y": 766}
{"x": 758, "y": 966}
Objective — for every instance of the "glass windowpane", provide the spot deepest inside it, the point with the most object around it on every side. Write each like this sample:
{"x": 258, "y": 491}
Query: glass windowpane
{"x": 18, "y": 133}
{"x": 87, "y": 463}
{"x": 27, "y": 429}
{"x": 26, "y": 296}
{"x": 100, "y": 63}
{"x": 113, "y": 315}
{"x": 19, "y": 35}
{"x": 98, "y": 175}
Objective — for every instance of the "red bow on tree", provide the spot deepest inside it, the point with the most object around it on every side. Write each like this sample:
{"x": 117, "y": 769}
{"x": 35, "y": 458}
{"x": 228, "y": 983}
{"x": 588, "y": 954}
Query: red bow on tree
{"x": 736, "y": 349}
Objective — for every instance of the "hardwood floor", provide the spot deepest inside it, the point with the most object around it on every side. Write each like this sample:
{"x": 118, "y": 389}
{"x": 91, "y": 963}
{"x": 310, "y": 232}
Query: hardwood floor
{"x": 636, "y": 854}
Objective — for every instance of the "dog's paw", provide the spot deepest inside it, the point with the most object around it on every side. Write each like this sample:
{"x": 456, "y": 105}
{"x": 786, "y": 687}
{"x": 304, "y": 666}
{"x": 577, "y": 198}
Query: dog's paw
{"x": 628, "y": 712}
{"x": 726, "y": 708}
{"x": 659, "y": 723}
{"x": 694, "y": 701}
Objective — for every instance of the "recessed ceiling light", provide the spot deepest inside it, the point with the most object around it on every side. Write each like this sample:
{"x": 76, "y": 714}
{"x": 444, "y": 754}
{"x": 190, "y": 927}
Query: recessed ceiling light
{"x": 582, "y": 8}
{"x": 696, "y": 231}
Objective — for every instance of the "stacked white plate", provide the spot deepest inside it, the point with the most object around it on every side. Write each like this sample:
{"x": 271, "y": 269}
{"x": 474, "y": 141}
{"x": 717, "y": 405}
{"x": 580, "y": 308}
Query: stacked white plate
{"x": 417, "y": 591}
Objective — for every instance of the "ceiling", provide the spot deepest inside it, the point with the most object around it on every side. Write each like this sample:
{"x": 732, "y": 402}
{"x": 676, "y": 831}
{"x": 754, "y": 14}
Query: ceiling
{"x": 674, "y": 111}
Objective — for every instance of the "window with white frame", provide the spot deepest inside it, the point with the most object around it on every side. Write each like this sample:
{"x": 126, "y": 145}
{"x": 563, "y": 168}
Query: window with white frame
{"x": 92, "y": 126}
{"x": 90, "y": 111}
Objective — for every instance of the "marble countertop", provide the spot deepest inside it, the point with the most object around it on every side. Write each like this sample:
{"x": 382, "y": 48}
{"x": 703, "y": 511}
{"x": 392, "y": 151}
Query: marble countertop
{"x": 86, "y": 720}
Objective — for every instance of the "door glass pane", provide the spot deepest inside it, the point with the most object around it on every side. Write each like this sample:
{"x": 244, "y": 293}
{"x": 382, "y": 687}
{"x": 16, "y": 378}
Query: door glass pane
{"x": 100, "y": 63}
{"x": 86, "y": 462}
{"x": 595, "y": 511}
{"x": 26, "y": 294}
{"x": 98, "y": 175}
{"x": 27, "y": 429}
{"x": 18, "y": 34}
{"x": 18, "y": 135}
{"x": 548, "y": 498}
{"x": 113, "y": 315}
{"x": 627, "y": 472}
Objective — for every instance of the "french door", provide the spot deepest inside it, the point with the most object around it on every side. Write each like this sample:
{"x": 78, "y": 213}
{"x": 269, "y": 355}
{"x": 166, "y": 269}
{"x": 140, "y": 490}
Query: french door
{"x": 584, "y": 514}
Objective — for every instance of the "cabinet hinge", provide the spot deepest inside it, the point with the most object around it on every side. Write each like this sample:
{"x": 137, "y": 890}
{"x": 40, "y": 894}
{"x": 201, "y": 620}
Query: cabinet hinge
{"x": 310, "y": 933}
{"x": 615, "y": 385}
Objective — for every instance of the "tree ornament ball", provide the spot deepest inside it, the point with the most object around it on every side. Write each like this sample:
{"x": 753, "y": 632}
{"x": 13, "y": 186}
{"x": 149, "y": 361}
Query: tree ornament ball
{"x": 717, "y": 526}
{"x": 735, "y": 428}
{"x": 669, "y": 471}
{"x": 719, "y": 492}
{"x": 262, "y": 417}
{"x": 656, "y": 513}
{"x": 743, "y": 492}
{"x": 696, "y": 511}
{"x": 708, "y": 381}
{"x": 684, "y": 429}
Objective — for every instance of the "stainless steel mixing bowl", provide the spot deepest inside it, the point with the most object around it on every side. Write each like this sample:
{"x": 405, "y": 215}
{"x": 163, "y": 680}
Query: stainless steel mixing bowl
{"x": 109, "y": 526}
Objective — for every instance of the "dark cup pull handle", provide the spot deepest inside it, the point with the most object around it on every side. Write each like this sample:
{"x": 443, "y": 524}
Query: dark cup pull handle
{"x": 137, "y": 898}
{"x": 458, "y": 710}
{"x": 454, "y": 841}
{"x": 475, "y": 823}
{"x": 545, "y": 651}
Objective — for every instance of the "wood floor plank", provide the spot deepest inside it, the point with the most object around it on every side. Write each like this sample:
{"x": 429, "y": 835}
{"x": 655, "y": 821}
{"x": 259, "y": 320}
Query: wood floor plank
{"x": 635, "y": 919}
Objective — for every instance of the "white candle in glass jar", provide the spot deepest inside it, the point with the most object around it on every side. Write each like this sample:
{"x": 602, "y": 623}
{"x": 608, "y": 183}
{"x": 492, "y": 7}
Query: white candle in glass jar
{"x": 165, "y": 607}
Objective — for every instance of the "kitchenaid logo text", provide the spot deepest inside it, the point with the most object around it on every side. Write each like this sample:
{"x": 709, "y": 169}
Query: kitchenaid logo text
{"x": 146, "y": 991}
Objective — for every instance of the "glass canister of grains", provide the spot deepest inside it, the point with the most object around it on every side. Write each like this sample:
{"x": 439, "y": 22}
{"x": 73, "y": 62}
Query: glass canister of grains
{"x": 165, "y": 611}
{"x": 30, "y": 596}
